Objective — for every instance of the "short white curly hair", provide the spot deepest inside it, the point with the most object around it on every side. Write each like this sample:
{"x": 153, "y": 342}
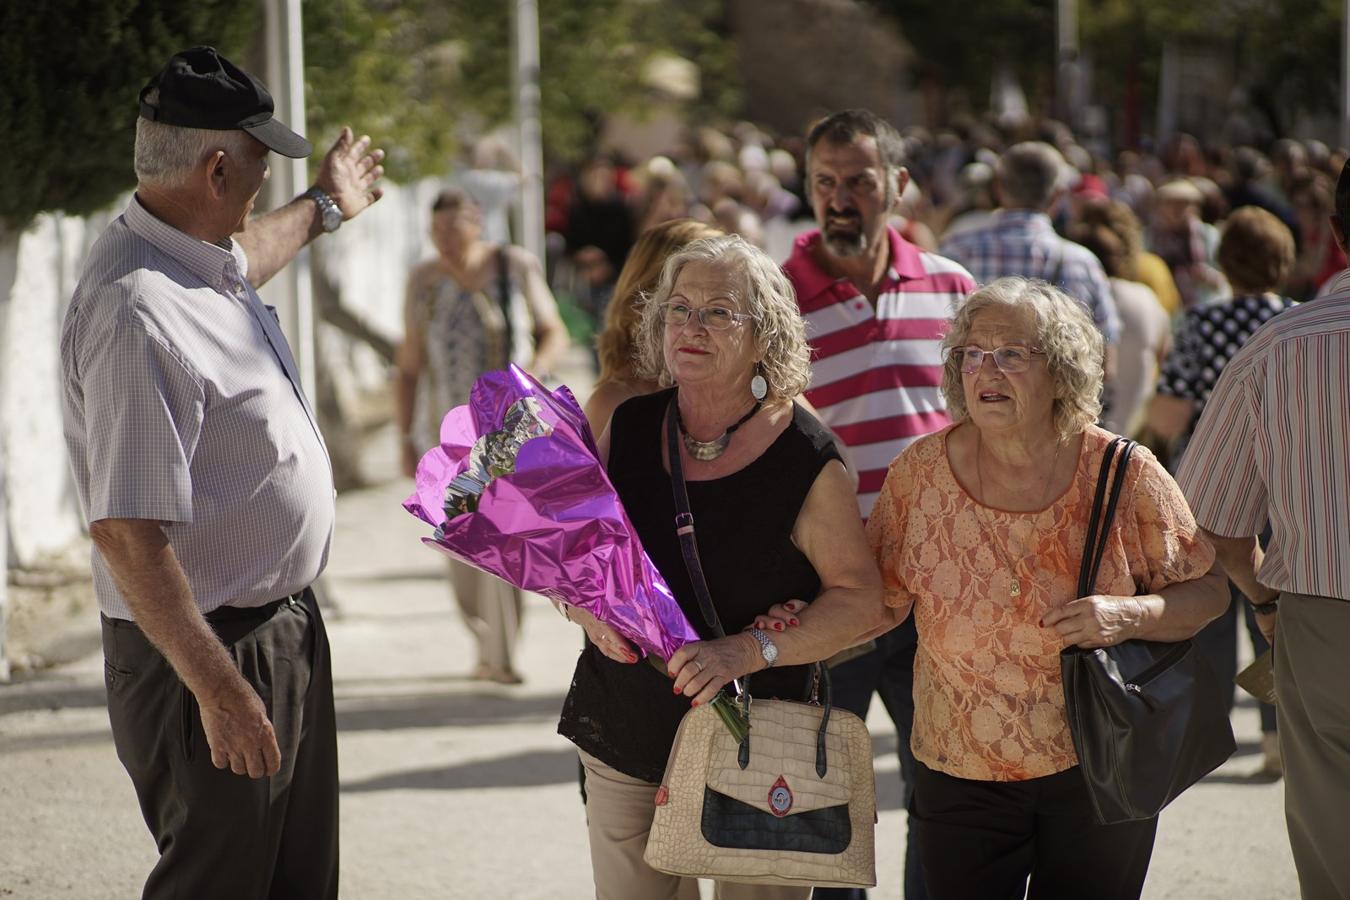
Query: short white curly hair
{"x": 779, "y": 331}
{"x": 1064, "y": 332}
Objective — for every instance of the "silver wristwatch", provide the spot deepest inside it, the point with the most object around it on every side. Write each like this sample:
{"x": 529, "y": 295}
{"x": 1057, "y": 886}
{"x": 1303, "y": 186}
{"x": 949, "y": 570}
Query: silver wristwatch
{"x": 329, "y": 212}
{"x": 767, "y": 648}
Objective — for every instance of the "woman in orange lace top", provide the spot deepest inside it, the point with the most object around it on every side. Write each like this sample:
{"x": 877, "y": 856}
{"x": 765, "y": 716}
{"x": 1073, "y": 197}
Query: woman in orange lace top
{"x": 979, "y": 531}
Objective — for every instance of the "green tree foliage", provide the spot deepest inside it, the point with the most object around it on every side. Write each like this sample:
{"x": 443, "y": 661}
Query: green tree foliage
{"x": 70, "y": 73}
{"x": 420, "y": 74}
{"x": 1285, "y": 52}
{"x": 417, "y": 74}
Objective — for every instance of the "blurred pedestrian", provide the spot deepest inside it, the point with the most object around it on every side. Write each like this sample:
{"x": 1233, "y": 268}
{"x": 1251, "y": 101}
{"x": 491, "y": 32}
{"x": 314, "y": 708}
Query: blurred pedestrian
{"x": 1112, "y": 233}
{"x": 474, "y": 308}
{"x": 618, "y": 380}
{"x": 1176, "y": 233}
{"x": 1020, "y": 240}
{"x": 599, "y": 233}
{"x": 1319, "y": 258}
{"x": 208, "y": 491}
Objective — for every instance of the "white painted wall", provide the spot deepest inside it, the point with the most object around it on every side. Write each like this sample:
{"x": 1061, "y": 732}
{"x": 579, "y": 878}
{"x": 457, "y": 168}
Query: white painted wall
{"x": 368, "y": 259}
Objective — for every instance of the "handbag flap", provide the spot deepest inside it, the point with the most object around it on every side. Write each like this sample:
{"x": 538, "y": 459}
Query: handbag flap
{"x": 783, "y": 749}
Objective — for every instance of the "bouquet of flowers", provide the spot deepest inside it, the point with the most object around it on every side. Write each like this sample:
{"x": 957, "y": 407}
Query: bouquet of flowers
{"x": 516, "y": 489}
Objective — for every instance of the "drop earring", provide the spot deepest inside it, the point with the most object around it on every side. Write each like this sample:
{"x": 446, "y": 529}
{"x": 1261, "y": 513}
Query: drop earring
{"x": 759, "y": 388}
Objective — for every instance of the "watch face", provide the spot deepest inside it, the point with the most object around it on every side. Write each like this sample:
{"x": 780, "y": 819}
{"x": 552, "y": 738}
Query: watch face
{"x": 767, "y": 648}
{"x": 332, "y": 216}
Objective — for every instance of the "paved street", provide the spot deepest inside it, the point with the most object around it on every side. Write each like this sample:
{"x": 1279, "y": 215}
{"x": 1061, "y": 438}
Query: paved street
{"x": 454, "y": 789}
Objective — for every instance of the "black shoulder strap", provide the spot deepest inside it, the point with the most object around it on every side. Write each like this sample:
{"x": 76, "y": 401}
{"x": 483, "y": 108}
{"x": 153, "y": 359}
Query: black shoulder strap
{"x": 684, "y": 524}
{"x": 1099, "y": 522}
{"x": 504, "y": 298}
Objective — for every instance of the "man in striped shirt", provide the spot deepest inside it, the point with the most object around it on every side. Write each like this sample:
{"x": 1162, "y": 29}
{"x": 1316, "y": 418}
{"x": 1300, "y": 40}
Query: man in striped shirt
{"x": 875, "y": 309}
{"x": 1274, "y": 443}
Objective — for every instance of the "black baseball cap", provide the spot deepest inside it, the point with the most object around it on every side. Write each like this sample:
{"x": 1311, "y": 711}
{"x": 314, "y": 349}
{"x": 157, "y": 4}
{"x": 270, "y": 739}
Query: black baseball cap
{"x": 199, "y": 88}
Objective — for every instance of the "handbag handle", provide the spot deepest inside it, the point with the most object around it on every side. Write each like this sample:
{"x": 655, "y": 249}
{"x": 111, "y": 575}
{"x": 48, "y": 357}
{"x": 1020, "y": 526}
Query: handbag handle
{"x": 684, "y": 529}
{"x": 1099, "y": 521}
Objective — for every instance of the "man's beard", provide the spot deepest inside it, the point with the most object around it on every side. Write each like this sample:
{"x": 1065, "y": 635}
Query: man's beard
{"x": 845, "y": 242}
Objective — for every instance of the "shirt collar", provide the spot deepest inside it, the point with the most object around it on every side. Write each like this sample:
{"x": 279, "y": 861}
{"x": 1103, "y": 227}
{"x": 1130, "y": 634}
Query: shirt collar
{"x": 221, "y": 265}
{"x": 811, "y": 279}
{"x": 1341, "y": 284}
{"x": 1032, "y": 219}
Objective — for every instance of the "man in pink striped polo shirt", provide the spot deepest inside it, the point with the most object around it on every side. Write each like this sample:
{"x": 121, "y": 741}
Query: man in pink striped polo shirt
{"x": 875, "y": 308}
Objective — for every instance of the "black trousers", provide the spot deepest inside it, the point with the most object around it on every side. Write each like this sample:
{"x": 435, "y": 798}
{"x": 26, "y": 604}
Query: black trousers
{"x": 222, "y": 835}
{"x": 982, "y": 840}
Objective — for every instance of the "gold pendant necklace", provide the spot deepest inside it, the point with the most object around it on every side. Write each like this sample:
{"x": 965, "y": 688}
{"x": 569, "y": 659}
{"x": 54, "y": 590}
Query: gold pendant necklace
{"x": 1015, "y": 586}
{"x": 706, "y": 451}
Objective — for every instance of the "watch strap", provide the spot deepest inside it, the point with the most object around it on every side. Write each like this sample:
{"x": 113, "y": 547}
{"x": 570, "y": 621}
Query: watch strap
{"x": 328, "y": 208}
{"x": 765, "y": 643}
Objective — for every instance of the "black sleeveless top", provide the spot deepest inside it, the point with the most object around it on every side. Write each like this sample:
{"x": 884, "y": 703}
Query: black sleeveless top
{"x": 626, "y": 715}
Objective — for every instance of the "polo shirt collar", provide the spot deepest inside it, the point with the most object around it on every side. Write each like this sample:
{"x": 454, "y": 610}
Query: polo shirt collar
{"x": 811, "y": 279}
{"x": 906, "y": 262}
{"x": 219, "y": 265}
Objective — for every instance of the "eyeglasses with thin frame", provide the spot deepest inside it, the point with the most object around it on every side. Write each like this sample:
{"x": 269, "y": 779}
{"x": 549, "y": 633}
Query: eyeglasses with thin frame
{"x": 1011, "y": 359}
{"x": 713, "y": 318}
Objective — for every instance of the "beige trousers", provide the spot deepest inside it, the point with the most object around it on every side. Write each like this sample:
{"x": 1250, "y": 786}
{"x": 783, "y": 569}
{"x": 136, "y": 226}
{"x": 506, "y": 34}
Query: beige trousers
{"x": 1312, "y": 684}
{"x": 492, "y": 610}
{"x": 619, "y": 811}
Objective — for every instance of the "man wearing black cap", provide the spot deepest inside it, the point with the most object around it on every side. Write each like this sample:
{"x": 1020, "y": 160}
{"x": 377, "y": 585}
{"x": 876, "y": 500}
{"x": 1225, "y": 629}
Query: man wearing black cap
{"x": 209, "y": 493}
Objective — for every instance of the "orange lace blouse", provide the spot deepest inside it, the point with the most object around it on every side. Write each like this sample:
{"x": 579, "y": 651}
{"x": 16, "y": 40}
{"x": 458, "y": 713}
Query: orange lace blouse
{"x": 988, "y": 700}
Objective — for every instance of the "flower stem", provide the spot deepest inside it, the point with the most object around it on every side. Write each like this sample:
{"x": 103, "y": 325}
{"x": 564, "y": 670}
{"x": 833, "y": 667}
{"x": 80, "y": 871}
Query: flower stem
{"x": 724, "y": 705}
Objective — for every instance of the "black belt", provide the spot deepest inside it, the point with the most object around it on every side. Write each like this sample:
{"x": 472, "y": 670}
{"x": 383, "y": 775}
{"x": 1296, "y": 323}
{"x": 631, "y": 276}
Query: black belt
{"x": 233, "y": 622}
{"x": 223, "y": 614}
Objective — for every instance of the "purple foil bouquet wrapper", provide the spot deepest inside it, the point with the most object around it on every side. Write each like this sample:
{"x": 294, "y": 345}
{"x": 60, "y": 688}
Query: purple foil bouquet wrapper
{"x": 516, "y": 489}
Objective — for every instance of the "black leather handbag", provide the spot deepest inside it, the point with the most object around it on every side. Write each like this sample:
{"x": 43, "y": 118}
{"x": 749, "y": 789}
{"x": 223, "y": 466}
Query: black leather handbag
{"x": 1148, "y": 718}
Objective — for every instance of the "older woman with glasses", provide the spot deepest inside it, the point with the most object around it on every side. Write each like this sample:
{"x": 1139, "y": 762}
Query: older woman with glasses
{"x": 778, "y": 529}
{"x": 979, "y": 531}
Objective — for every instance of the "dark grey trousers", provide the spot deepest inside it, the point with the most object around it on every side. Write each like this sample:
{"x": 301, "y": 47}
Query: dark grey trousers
{"x": 222, "y": 835}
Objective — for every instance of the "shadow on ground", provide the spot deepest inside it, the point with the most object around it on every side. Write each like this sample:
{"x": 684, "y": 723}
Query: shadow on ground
{"x": 385, "y": 712}
{"x": 537, "y": 768}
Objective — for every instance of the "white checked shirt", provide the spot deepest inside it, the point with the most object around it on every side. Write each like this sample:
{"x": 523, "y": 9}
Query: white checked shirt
{"x": 1024, "y": 242}
{"x": 1274, "y": 440}
{"x": 182, "y": 404}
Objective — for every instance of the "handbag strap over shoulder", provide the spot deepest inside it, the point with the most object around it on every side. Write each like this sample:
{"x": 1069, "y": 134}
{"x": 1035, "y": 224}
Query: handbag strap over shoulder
{"x": 504, "y": 299}
{"x": 684, "y": 525}
{"x": 684, "y": 529}
{"x": 1103, "y": 511}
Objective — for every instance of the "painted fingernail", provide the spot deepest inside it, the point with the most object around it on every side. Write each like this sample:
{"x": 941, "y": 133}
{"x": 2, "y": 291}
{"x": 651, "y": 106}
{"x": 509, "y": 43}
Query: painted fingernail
{"x": 777, "y": 626}
{"x": 695, "y": 703}
{"x": 793, "y": 621}
{"x": 676, "y": 690}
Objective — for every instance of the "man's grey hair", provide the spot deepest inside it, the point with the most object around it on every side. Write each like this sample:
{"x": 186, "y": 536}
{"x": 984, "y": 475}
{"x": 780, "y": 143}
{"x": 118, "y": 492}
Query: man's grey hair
{"x": 1029, "y": 173}
{"x": 846, "y": 126}
{"x": 166, "y": 154}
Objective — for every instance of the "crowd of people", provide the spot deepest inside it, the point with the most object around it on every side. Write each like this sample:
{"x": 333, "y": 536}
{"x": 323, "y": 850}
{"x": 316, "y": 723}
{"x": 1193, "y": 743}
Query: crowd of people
{"x": 884, "y": 365}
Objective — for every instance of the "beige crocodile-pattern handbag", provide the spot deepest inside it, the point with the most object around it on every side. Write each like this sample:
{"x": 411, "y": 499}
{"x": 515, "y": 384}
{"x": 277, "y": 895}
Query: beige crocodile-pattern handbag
{"x": 791, "y": 816}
